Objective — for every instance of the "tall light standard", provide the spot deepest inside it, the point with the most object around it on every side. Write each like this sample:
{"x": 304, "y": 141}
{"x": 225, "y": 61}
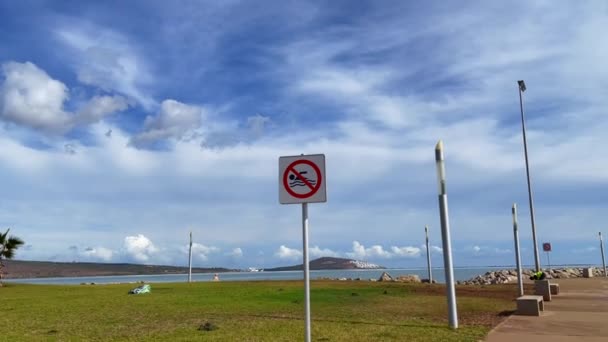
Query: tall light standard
{"x": 522, "y": 88}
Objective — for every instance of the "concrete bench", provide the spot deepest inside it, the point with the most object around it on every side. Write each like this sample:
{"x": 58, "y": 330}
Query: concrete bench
{"x": 530, "y": 305}
{"x": 554, "y": 288}
{"x": 543, "y": 288}
{"x": 587, "y": 272}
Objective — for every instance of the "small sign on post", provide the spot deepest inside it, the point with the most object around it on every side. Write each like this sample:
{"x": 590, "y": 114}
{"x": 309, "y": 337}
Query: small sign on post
{"x": 302, "y": 180}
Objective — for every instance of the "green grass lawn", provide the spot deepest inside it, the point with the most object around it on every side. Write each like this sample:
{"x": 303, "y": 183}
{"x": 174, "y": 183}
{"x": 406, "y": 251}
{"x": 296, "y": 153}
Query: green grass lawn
{"x": 248, "y": 311}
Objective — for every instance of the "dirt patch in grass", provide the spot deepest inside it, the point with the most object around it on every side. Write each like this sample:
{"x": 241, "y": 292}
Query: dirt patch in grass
{"x": 505, "y": 291}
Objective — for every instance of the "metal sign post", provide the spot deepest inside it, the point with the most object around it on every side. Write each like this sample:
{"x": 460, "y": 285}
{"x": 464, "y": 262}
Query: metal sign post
{"x": 445, "y": 237}
{"x": 520, "y": 280}
{"x": 602, "y": 251}
{"x": 306, "y": 269}
{"x": 190, "y": 260}
{"x": 547, "y": 249}
{"x": 302, "y": 180}
{"x": 428, "y": 254}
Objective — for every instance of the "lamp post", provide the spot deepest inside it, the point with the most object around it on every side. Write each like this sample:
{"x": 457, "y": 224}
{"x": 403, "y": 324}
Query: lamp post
{"x": 445, "y": 237}
{"x": 522, "y": 88}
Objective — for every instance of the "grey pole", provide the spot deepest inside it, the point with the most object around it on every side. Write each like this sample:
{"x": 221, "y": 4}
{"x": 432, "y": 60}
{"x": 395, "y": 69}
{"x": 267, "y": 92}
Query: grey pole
{"x": 190, "y": 260}
{"x": 306, "y": 269}
{"x": 520, "y": 281}
{"x": 602, "y": 250}
{"x": 445, "y": 237}
{"x": 522, "y": 88}
{"x": 428, "y": 254}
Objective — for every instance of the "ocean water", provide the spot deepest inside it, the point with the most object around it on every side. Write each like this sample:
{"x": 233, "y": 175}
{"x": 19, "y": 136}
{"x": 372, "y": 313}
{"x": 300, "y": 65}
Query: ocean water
{"x": 438, "y": 275}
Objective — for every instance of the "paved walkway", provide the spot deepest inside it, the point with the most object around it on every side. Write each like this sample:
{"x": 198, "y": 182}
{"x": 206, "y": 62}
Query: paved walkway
{"x": 578, "y": 313}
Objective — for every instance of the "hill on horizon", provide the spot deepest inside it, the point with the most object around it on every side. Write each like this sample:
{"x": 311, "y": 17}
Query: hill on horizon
{"x": 330, "y": 263}
{"x": 43, "y": 269}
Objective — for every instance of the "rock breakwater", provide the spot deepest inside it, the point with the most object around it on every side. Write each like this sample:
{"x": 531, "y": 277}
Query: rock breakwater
{"x": 510, "y": 276}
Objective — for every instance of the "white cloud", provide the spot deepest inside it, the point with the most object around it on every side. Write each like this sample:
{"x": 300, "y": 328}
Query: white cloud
{"x": 140, "y": 248}
{"x": 202, "y": 252}
{"x": 31, "y": 98}
{"x": 174, "y": 120}
{"x": 476, "y": 249}
{"x": 288, "y": 253}
{"x": 107, "y": 59}
{"x": 98, "y": 253}
{"x": 406, "y": 252}
{"x": 99, "y": 107}
{"x": 502, "y": 251}
{"x": 257, "y": 123}
{"x": 434, "y": 249}
{"x": 236, "y": 253}
{"x": 360, "y": 252}
{"x": 317, "y": 252}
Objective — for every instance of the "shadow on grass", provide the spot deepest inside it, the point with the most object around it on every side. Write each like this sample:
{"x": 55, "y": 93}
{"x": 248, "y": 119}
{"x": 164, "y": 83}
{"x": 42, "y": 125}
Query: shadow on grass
{"x": 506, "y": 313}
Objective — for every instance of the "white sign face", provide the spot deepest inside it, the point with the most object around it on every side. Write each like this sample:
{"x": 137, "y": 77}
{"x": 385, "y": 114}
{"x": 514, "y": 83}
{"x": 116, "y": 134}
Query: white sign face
{"x": 302, "y": 179}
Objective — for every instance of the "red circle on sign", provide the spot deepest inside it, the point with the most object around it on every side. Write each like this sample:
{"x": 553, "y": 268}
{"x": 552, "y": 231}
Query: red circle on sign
{"x": 313, "y": 189}
{"x": 547, "y": 247}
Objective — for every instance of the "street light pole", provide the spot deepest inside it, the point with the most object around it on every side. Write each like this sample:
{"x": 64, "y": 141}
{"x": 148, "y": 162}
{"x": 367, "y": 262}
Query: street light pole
{"x": 522, "y": 88}
{"x": 445, "y": 237}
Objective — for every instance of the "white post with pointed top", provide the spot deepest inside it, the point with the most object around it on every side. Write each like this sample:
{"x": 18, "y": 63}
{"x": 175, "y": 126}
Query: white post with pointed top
{"x": 190, "y": 260}
{"x": 520, "y": 279}
{"x": 602, "y": 251}
{"x": 445, "y": 237}
{"x": 428, "y": 254}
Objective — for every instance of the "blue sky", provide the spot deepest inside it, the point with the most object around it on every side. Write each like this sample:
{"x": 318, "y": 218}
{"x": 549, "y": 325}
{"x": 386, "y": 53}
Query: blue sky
{"x": 123, "y": 126}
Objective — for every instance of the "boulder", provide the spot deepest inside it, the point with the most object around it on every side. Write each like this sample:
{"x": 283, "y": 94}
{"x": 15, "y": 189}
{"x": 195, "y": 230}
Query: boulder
{"x": 385, "y": 277}
{"x": 408, "y": 278}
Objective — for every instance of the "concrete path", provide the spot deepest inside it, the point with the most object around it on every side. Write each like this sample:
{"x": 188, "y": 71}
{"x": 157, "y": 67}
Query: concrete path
{"x": 578, "y": 313}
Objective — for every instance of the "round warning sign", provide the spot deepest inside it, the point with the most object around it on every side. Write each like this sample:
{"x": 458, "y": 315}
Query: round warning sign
{"x": 302, "y": 178}
{"x": 547, "y": 247}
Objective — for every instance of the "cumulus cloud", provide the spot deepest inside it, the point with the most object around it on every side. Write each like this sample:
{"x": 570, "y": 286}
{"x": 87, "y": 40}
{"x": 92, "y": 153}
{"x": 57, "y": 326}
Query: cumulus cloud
{"x": 485, "y": 250}
{"x": 317, "y": 252}
{"x": 29, "y": 97}
{"x": 434, "y": 249}
{"x": 406, "y": 252}
{"x": 359, "y": 251}
{"x": 98, "y": 253}
{"x": 139, "y": 248}
{"x": 174, "y": 120}
{"x": 285, "y": 252}
{"x": 375, "y": 251}
{"x": 236, "y": 253}
{"x": 202, "y": 252}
